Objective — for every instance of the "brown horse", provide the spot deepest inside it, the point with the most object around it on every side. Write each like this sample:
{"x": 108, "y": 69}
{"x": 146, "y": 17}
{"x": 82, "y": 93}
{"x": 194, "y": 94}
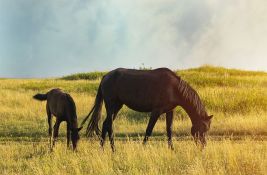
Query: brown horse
{"x": 157, "y": 91}
{"x": 62, "y": 106}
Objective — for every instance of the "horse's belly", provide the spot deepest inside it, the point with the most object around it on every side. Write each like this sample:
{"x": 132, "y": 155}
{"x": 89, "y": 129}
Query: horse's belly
{"x": 139, "y": 108}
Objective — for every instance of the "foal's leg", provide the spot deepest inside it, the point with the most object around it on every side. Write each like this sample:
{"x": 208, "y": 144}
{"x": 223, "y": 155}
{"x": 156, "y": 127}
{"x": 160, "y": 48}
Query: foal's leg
{"x": 169, "y": 121}
{"x": 68, "y": 134}
{"x": 152, "y": 121}
{"x": 49, "y": 119}
{"x": 55, "y": 134}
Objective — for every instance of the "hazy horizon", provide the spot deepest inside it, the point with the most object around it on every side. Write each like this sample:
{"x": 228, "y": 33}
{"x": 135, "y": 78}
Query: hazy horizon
{"x": 141, "y": 67}
{"x": 56, "y": 38}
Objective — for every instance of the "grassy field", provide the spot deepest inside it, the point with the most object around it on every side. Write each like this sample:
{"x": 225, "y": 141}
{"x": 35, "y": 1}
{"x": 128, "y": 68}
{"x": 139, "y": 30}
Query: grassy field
{"x": 237, "y": 142}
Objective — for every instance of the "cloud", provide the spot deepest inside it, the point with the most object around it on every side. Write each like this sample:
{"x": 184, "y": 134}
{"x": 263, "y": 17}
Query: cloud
{"x": 236, "y": 37}
{"x": 54, "y": 38}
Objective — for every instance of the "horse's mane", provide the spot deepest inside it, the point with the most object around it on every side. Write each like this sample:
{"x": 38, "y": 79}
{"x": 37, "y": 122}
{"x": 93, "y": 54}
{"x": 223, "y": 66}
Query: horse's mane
{"x": 72, "y": 103}
{"x": 191, "y": 97}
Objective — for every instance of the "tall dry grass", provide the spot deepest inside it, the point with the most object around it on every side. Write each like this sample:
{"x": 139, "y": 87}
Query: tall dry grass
{"x": 236, "y": 145}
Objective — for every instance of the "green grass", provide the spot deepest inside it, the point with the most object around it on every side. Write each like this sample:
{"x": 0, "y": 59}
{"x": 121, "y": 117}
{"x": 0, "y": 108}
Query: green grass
{"x": 237, "y": 138}
{"x": 85, "y": 76}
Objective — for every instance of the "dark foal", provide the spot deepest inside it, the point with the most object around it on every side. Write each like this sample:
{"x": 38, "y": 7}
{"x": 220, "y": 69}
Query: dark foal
{"x": 157, "y": 91}
{"x": 62, "y": 106}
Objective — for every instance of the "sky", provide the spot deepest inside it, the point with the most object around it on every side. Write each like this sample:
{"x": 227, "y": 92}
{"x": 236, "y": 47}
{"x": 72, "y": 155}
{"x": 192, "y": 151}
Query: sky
{"x": 52, "y": 38}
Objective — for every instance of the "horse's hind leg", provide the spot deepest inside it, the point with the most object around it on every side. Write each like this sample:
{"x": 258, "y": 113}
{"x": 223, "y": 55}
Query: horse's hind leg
{"x": 117, "y": 107}
{"x": 152, "y": 121}
{"x": 112, "y": 111}
{"x": 116, "y": 110}
{"x": 106, "y": 126}
{"x": 169, "y": 121}
{"x": 105, "y": 129}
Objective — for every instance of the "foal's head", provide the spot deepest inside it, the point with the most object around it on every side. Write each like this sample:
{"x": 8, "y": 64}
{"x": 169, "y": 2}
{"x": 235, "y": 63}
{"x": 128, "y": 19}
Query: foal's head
{"x": 200, "y": 128}
{"x": 75, "y": 136}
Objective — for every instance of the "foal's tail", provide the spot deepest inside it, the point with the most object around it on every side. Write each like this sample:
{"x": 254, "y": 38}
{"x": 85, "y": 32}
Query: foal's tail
{"x": 40, "y": 97}
{"x": 96, "y": 110}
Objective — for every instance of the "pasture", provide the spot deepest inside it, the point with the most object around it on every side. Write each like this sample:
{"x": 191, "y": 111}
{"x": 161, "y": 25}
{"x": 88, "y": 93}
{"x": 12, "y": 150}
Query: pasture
{"x": 237, "y": 141}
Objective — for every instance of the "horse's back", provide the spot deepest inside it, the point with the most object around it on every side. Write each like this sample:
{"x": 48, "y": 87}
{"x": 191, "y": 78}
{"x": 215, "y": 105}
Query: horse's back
{"x": 60, "y": 102}
{"x": 136, "y": 72}
{"x": 56, "y": 95}
{"x": 141, "y": 90}
{"x": 141, "y": 76}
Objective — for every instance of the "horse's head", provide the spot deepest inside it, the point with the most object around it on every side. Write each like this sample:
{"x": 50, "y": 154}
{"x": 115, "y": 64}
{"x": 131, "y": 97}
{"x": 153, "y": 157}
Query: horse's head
{"x": 75, "y": 136}
{"x": 200, "y": 128}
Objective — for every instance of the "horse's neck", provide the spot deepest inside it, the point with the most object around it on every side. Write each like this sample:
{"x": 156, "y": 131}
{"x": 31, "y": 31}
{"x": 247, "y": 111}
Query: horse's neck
{"x": 190, "y": 101}
{"x": 73, "y": 122}
{"x": 191, "y": 111}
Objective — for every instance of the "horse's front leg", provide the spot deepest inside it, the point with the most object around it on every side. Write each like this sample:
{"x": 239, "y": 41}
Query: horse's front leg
{"x": 68, "y": 135}
{"x": 49, "y": 119}
{"x": 169, "y": 121}
{"x": 56, "y": 128}
{"x": 152, "y": 121}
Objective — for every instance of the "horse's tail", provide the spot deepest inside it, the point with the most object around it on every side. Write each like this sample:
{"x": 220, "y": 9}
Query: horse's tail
{"x": 96, "y": 110}
{"x": 40, "y": 97}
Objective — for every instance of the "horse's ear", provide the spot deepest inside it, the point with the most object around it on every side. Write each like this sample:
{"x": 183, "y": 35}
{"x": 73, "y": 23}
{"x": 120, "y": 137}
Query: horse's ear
{"x": 80, "y": 128}
{"x": 210, "y": 117}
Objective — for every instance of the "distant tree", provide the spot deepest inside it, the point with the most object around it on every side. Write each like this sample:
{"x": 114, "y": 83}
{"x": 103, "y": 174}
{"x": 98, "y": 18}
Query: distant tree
{"x": 142, "y": 67}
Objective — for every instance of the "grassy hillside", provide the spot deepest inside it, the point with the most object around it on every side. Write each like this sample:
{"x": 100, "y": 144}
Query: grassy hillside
{"x": 236, "y": 98}
{"x": 204, "y": 70}
{"x": 223, "y": 90}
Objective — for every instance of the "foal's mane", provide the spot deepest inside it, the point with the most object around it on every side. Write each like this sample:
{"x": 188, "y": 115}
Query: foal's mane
{"x": 72, "y": 108}
{"x": 191, "y": 97}
{"x": 71, "y": 101}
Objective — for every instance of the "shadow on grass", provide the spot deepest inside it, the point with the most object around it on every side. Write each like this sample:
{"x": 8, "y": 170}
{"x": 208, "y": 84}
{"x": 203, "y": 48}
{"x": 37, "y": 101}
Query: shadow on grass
{"x": 42, "y": 136}
{"x": 133, "y": 116}
{"x": 35, "y": 136}
{"x": 184, "y": 136}
{"x": 18, "y": 136}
